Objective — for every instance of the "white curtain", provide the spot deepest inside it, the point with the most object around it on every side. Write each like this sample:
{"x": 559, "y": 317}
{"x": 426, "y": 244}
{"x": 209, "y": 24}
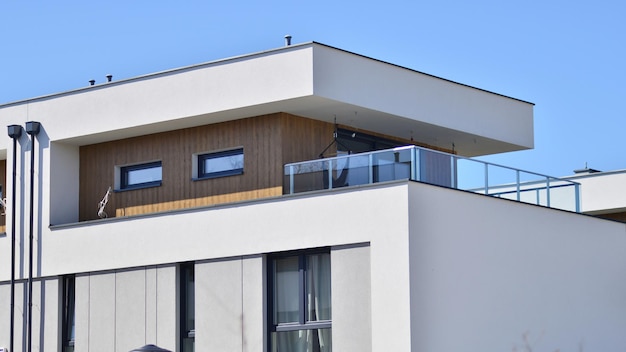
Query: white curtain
{"x": 318, "y": 304}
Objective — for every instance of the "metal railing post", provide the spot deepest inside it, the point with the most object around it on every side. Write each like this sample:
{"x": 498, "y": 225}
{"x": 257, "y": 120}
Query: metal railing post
{"x": 577, "y": 197}
{"x": 413, "y": 167}
{"x": 330, "y": 173}
{"x": 517, "y": 184}
{"x": 453, "y": 174}
{"x": 370, "y": 168}
{"x": 291, "y": 179}
{"x": 486, "y": 178}
{"x": 548, "y": 192}
{"x": 418, "y": 164}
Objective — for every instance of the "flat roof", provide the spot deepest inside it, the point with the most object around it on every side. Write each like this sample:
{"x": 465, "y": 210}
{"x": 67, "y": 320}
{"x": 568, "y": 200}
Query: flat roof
{"x": 311, "y": 79}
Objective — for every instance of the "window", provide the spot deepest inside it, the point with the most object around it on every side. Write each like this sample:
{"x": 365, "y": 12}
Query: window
{"x": 140, "y": 175}
{"x": 218, "y": 164}
{"x": 300, "y": 302}
{"x": 187, "y": 308}
{"x": 68, "y": 313}
{"x": 358, "y": 142}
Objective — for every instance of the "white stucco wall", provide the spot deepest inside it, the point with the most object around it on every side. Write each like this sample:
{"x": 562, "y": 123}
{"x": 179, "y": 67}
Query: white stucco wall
{"x": 351, "y": 298}
{"x": 62, "y": 195}
{"x": 603, "y": 192}
{"x": 168, "y": 101}
{"x": 219, "y": 288}
{"x": 414, "y": 267}
{"x": 215, "y": 234}
{"x": 5, "y": 315}
{"x": 315, "y": 80}
{"x": 486, "y": 271}
{"x": 270, "y": 226}
{"x": 45, "y": 329}
{"x": 429, "y": 100}
{"x": 123, "y": 310}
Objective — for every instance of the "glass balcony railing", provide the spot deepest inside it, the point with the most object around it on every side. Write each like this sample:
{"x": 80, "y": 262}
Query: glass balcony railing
{"x": 433, "y": 167}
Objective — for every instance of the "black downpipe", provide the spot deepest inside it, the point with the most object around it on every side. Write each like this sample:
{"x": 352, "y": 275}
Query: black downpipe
{"x": 32, "y": 128}
{"x": 15, "y": 132}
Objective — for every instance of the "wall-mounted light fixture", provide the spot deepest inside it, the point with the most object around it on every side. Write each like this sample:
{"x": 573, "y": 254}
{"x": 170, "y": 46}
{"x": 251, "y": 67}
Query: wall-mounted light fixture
{"x": 32, "y": 127}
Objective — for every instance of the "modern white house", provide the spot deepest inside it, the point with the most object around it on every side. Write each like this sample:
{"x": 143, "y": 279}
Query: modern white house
{"x": 304, "y": 198}
{"x": 603, "y": 193}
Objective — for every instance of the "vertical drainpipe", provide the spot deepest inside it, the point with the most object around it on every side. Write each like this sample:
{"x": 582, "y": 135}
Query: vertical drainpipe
{"x": 32, "y": 128}
{"x": 15, "y": 132}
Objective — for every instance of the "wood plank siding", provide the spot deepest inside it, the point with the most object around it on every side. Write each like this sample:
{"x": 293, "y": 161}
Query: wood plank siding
{"x": 3, "y": 184}
{"x": 268, "y": 142}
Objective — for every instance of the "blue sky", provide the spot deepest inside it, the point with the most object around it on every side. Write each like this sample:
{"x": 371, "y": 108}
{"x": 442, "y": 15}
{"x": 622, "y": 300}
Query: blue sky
{"x": 567, "y": 57}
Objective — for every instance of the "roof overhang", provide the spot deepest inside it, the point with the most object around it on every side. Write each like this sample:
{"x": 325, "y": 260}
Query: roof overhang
{"x": 311, "y": 80}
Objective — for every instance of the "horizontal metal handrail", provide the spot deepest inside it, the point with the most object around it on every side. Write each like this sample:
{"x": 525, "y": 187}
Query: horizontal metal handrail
{"x": 521, "y": 190}
{"x": 408, "y": 147}
{"x": 424, "y": 165}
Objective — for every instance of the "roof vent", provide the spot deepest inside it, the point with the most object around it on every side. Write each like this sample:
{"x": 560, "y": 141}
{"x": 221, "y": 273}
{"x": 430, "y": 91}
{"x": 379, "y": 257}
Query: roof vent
{"x": 109, "y": 77}
{"x": 287, "y": 40}
{"x": 92, "y": 82}
{"x": 586, "y": 171}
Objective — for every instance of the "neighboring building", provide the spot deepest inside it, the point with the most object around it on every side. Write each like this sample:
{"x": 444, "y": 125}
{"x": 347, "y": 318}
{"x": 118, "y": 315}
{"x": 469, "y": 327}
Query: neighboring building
{"x": 226, "y": 232}
{"x": 603, "y": 194}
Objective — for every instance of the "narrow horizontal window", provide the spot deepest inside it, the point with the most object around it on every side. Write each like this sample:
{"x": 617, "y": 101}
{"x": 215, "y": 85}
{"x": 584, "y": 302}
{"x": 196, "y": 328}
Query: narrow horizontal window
{"x": 219, "y": 164}
{"x": 141, "y": 175}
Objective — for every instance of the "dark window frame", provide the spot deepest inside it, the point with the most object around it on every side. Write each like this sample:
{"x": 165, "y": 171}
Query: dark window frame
{"x": 126, "y": 170}
{"x": 69, "y": 312}
{"x": 187, "y": 273}
{"x": 302, "y": 323}
{"x": 203, "y": 157}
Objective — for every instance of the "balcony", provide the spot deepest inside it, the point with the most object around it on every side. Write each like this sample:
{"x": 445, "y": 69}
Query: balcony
{"x": 433, "y": 167}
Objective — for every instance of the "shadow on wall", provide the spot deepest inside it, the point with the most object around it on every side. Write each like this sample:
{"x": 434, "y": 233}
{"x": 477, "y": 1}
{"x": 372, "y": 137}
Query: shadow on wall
{"x": 529, "y": 345}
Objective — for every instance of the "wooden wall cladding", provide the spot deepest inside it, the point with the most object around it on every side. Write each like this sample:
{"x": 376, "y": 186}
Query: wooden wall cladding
{"x": 268, "y": 142}
{"x": 3, "y": 183}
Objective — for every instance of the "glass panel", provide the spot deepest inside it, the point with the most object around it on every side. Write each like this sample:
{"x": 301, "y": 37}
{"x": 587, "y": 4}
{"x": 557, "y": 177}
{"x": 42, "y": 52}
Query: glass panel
{"x": 223, "y": 163}
{"x": 188, "y": 307}
{"x": 340, "y": 172}
{"x": 354, "y": 146}
{"x": 70, "y": 313}
{"x": 308, "y": 176}
{"x": 470, "y": 175}
{"x": 188, "y": 344}
{"x": 286, "y": 290}
{"x": 302, "y": 341}
{"x": 318, "y": 287}
{"x": 358, "y": 170}
{"x": 392, "y": 165}
{"x": 435, "y": 168}
{"x": 190, "y": 297}
{"x": 138, "y": 176}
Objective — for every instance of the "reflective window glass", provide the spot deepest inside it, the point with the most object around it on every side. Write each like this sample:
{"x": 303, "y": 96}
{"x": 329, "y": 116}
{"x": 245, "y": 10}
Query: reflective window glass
{"x": 219, "y": 164}
{"x": 141, "y": 175}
